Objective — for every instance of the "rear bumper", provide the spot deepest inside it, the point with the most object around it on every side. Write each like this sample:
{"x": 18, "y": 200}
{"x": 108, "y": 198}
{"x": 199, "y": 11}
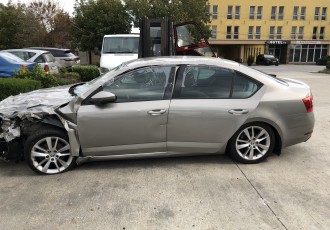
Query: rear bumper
{"x": 301, "y": 133}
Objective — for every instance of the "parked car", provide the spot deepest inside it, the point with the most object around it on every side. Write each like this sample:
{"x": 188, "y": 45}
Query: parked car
{"x": 64, "y": 57}
{"x": 152, "y": 107}
{"x": 9, "y": 63}
{"x": 267, "y": 59}
{"x": 44, "y": 58}
{"x": 323, "y": 60}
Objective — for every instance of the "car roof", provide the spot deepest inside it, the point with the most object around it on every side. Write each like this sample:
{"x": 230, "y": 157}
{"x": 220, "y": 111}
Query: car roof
{"x": 122, "y": 35}
{"x": 30, "y": 50}
{"x": 50, "y": 48}
{"x": 170, "y": 60}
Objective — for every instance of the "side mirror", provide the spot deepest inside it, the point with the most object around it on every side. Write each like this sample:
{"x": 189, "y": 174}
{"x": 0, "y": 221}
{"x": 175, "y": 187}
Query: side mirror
{"x": 103, "y": 97}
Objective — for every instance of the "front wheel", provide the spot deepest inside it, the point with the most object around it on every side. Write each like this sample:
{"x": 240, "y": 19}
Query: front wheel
{"x": 252, "y": 143}
{"x": 48, "y": 152}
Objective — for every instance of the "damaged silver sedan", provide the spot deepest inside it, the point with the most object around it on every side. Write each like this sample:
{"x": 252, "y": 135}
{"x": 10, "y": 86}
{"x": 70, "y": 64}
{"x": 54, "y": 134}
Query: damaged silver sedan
{"x": 168, "y": 106}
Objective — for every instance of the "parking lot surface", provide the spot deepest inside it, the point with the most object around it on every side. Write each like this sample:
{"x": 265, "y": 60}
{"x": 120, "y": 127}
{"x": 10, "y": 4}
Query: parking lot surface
{"x": 290, "y": 191}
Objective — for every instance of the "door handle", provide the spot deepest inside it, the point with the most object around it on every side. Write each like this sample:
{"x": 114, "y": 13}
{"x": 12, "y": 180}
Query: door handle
{"x": 238, "y": 111}
{"x": 156, "y": 112}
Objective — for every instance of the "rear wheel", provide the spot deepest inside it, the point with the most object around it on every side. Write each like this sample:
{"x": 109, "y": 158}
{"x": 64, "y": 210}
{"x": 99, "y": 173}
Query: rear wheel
{"x": 48, "y": 152}
{"x": 252, "y": 143}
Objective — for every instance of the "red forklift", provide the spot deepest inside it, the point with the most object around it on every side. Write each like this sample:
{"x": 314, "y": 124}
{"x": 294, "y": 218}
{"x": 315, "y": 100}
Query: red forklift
{"x": 161, "y": 37}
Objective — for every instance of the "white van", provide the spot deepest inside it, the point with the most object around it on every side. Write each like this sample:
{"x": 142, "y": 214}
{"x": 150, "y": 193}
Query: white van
{"x": 118, "y": 48}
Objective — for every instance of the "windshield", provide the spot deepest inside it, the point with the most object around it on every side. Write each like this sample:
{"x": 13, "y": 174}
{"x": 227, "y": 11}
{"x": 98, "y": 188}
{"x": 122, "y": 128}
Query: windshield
{"x": 10, "y": 57}
{"x": 81, "y": 89}
{"x": 121, "y": 45}
{"x": 269, "y": 56}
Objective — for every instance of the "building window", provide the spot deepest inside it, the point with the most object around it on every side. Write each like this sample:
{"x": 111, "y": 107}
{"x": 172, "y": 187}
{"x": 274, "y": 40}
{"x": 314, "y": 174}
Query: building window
{"x": 258, "y": 32}
{"x": 280, "y": 13}
{"x": 301, "y": 32}
{"x": 279, "y": 32}
{"x": 273, "y": 15}
{"x": 230, "y": 12}
{"x": 271, "y": 32}
{"x": 236, "y": 29}
{"x": 322, "y": 33}
{"x": 317, "y": 13}
{"x": 259, "y": 13}
{"x": 252, "y": 11}
{"x": 293, "y": 32}
{"x": 215, "y": 12}
{"x": 214, "y": 32}
{"x": 314, "y": 32}
{"x": 237, "y": 12}
{"x": 303, "y": 13}
{"x": 228, "y": 35}
{"x": 295, "y": 12}
{"x": 324, "y": 13}
{"x": 250, "y": 35}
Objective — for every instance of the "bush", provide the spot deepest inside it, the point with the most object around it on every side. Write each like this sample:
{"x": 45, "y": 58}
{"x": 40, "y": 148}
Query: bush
{"x": 68, "y": 77}
{"x": 14, "y": 86}
{"x": 250, "y": 60}
{"x": 86, "y": 73}
{"x": 46, "y": 79}
{"x": 328, "y": 64}
{"x": 62, "y": 70}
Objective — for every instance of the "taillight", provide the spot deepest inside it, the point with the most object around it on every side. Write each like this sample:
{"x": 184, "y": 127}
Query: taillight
{"x": 308, "y": 102}
{"x": 46, "y": 68}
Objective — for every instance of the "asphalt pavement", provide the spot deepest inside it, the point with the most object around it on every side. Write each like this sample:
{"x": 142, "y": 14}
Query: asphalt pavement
{"x": 290, "y": 191}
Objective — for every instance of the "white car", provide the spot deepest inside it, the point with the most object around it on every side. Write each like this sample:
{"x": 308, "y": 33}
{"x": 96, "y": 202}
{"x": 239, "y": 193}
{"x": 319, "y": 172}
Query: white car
{"x": 43, "y": 58}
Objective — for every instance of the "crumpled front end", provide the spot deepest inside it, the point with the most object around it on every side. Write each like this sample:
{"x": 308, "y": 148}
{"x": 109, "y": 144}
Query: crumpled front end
{"x": 19, "y": 113}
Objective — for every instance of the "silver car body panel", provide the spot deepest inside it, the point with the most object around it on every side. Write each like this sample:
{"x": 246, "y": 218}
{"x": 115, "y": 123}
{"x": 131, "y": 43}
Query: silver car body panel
{"x": 125, "y": 130}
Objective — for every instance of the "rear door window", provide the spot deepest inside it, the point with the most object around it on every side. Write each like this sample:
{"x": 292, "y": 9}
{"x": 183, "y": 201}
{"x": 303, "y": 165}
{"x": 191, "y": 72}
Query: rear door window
{"x": 200, "y": 82}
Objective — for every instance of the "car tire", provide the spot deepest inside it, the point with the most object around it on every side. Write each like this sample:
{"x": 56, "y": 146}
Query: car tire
{"x": 47, "y": 151}
{"x": 252, "y": 143}
{"x": 277, "y": 64}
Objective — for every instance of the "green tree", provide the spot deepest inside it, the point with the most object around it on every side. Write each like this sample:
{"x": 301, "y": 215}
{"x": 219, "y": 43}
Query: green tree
{"x": 93, "y": 19}
{"x": 18, "y": 27}
{"x": 178, "y": 10}
{"x": 55, "y": 23}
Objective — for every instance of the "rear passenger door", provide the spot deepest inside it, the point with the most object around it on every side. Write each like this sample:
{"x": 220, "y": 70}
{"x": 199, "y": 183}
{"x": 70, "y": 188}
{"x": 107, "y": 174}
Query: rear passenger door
{"x": 209, "y": 104}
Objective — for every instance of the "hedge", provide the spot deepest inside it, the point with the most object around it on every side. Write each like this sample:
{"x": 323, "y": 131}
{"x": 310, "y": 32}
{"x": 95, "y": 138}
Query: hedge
{"x": 47, "y": 80}
{"x": 328, "y": 64}
{"x": 86, "y": 73}
{"x": 14, "y": 86}
{"x": 67, "y": 78}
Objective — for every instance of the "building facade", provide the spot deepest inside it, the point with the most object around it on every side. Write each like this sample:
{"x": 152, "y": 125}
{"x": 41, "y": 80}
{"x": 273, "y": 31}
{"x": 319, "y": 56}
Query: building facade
{"x": 295, "y": 31}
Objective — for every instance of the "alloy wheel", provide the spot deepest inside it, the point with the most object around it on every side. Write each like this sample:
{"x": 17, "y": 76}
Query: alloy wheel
{"x": 252, "y": 143}
{"x": 51, "y": 155}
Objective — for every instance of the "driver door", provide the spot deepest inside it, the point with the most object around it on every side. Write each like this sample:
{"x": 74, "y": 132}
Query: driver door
{"x": 136, "y": 122}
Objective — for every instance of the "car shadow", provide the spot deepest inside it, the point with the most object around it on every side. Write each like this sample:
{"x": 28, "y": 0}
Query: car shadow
{"x": 155, "y": 162}
{"x": 12, "y": 169}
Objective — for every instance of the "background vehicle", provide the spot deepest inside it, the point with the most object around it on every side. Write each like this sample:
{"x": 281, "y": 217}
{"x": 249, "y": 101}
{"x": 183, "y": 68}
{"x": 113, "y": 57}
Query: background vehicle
{"x": 158, "y": 37}
{"x": 9, "y": 63}
{"x": 64, "y": 57}
{"x": 267, "y": 59}
{"x": 118, "y": 48}
{"x": 44, "y": 58}
{"x": 162, "y": 106}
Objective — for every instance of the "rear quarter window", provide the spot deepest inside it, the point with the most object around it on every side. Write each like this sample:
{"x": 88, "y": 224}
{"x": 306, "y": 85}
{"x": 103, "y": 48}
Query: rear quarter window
{"x": 244, "y": 86}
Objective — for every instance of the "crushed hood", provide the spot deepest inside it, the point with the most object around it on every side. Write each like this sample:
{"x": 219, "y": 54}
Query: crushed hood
{"x": 32, "y": 105}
